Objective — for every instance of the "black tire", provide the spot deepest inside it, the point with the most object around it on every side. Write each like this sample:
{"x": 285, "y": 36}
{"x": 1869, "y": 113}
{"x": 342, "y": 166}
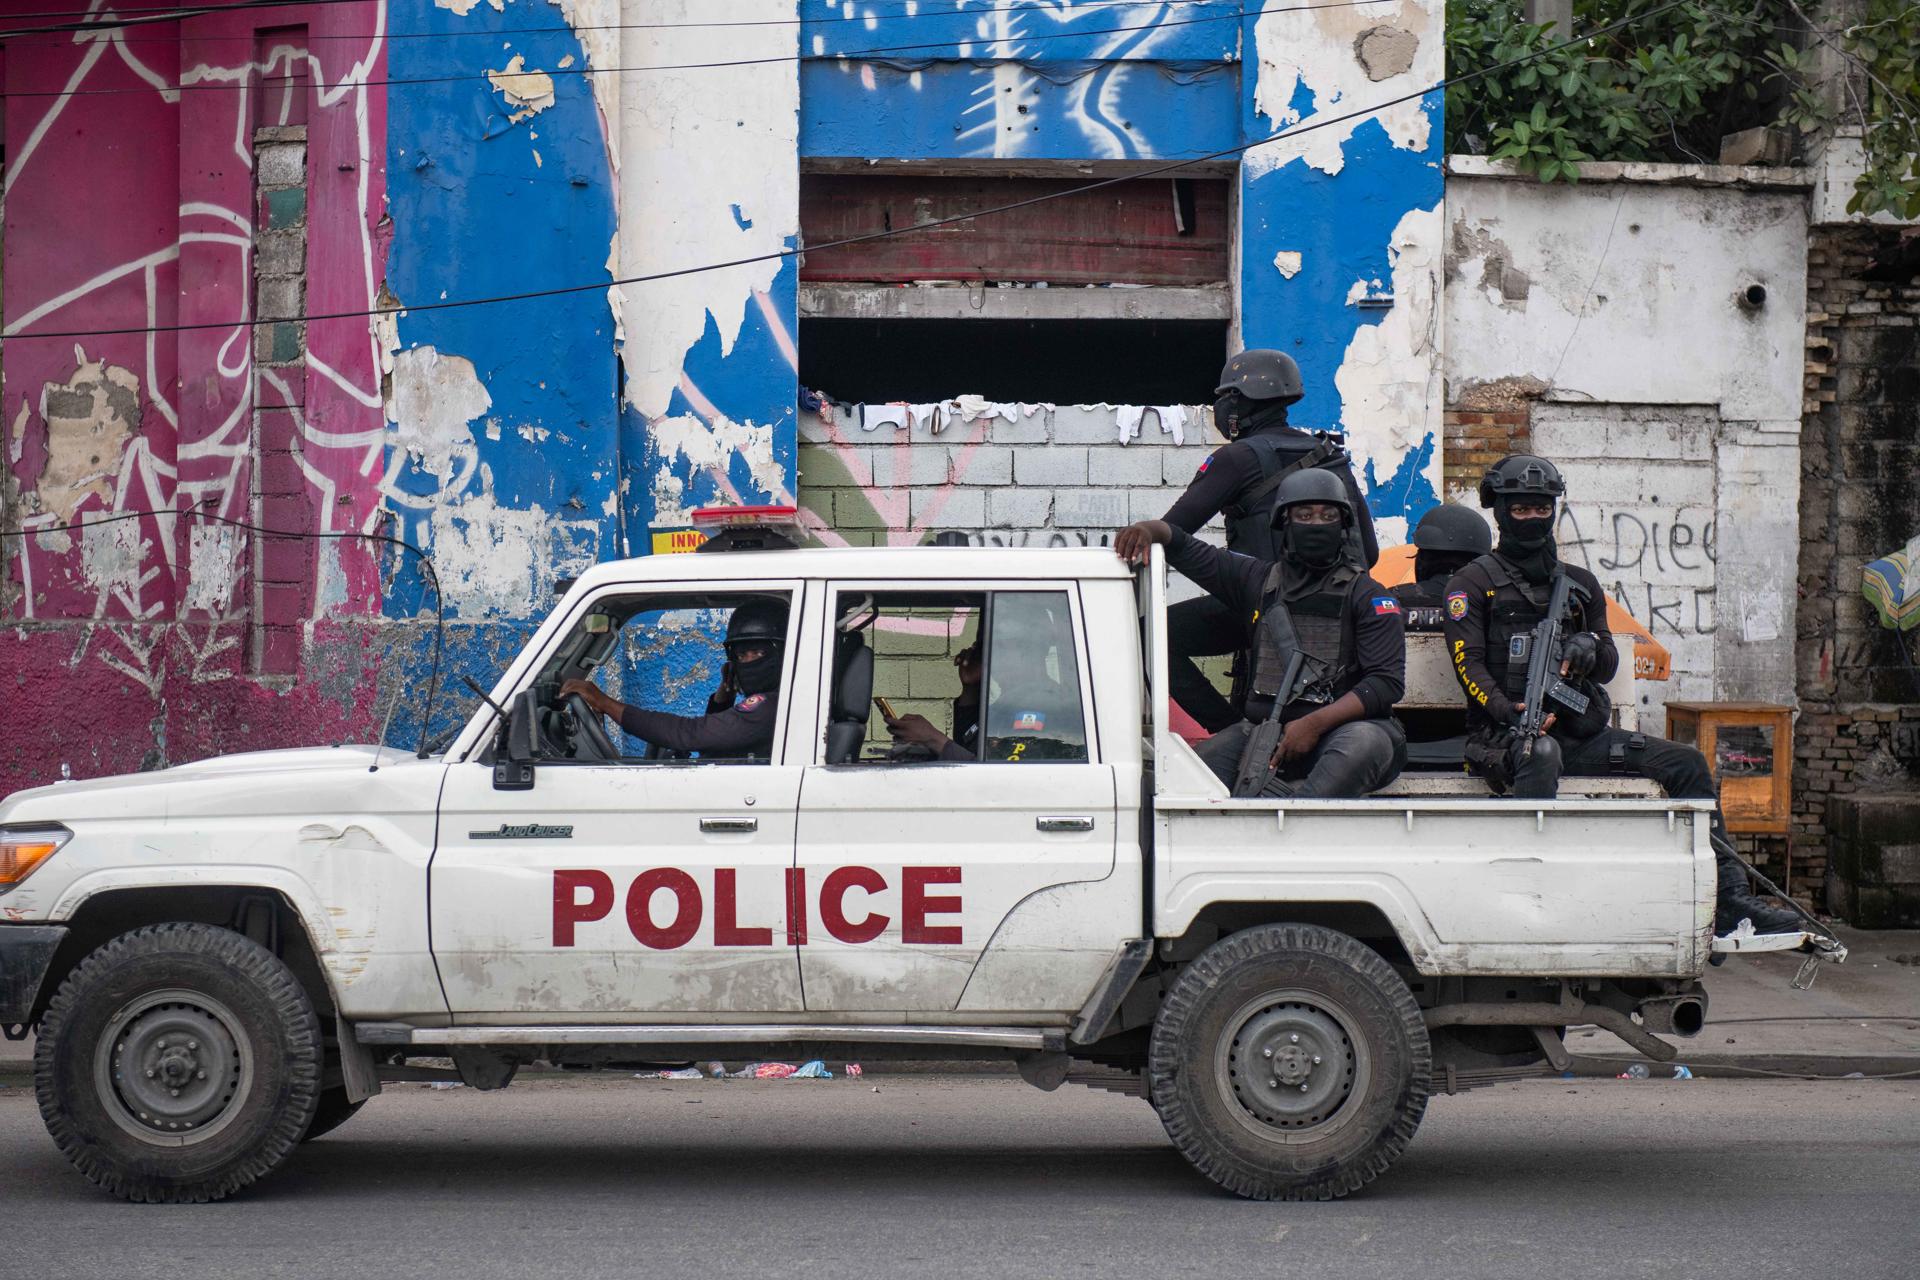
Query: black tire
{"x": 195, "y": 1006}
{"x": 333, "y": 1111}
{"x": 1315, "y": 1008}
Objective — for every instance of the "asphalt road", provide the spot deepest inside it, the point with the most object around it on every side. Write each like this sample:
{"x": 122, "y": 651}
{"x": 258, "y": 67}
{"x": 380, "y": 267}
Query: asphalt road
{"x": 987, "y": 1177}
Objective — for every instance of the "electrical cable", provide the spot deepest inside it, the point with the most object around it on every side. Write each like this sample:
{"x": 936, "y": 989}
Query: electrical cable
{"x": 426, "y": 561}
{"x": 175, "y": 13}
{"x": 782, "y": 254}
{"x": 849, "y": 55}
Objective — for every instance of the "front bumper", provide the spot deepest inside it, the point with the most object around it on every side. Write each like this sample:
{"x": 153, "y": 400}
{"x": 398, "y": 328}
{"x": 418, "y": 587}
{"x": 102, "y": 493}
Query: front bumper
{"x": 25, "y": 952}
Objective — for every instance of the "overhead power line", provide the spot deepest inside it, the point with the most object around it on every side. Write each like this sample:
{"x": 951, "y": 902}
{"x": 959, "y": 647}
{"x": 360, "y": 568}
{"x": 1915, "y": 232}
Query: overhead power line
{"x": 1175, "y": 166}
{"x": 120, "y": 18}
{"x": 849, "y": 55}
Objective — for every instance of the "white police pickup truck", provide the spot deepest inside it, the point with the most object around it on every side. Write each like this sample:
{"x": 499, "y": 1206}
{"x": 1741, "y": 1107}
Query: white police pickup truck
{"x": 226, "y": 958}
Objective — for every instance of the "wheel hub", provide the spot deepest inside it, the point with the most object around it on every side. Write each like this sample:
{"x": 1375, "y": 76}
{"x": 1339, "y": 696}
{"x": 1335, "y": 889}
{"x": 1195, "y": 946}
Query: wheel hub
{"x": 1291, "y": 1065}
{"x": 174, "y": 1065}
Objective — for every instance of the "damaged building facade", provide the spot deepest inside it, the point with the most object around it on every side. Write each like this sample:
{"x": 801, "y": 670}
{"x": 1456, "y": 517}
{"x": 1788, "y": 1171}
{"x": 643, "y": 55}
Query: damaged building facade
{"x": 167, "y": 182}
{"x": 1034, "y": 375}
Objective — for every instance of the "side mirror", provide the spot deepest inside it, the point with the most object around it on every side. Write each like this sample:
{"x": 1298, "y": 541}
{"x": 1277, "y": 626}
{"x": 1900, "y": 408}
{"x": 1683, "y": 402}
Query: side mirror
{"x": 518, "y": 746}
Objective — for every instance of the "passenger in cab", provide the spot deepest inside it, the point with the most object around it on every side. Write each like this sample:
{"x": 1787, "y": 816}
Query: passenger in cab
{"x": 755, "y": 644}
{"x": 915, "y": 730}
{"x": 1493, "y": 606}
{"x": 1315, "y": 600}
{"x": 1241, "y": 481}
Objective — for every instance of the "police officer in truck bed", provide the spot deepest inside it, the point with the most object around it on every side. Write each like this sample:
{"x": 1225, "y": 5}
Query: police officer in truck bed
{"x": 1241, "y": 481}
{"x": 1493, "y": 606}
{"x": 756, "y": 637}
{"x": 1447, "y": 540}
{"x": 1339, "y": 739}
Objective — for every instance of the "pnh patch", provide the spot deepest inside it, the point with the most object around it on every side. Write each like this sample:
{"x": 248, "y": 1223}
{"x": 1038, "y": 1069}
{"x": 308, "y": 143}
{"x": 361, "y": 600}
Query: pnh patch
{"x": 1457, "y": 605}
{"x": 1385, "y": 604}
{"x": 1029, "y": 722}
{"x": 752, "y": 701}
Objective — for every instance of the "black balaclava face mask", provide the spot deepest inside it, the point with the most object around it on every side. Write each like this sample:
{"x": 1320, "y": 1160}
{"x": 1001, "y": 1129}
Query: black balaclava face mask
{"x": 1316, "y": 546}
{"x": 1439, "y": 564}
{"x": 1235, "y": 414}
{"x": 1527, "y": 543}
{"x": 762, "y": 675}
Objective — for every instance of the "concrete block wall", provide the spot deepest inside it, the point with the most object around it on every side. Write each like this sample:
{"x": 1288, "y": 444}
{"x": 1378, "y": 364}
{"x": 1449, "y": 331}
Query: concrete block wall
{"x": 1021, "y": 476}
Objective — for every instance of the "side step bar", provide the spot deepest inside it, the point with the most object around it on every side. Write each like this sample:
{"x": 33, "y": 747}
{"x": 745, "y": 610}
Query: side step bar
{"x": 401, "y": 1033}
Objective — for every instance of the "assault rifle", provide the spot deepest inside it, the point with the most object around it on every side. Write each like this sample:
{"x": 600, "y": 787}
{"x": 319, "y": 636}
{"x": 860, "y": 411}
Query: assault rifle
{"x": 1256, "y": 759}
{"x": 1543, "y": 669}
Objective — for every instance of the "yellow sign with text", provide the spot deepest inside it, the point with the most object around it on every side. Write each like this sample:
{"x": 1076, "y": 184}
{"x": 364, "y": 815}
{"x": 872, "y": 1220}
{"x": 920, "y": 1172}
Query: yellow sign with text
{"x": 667, "y": 542}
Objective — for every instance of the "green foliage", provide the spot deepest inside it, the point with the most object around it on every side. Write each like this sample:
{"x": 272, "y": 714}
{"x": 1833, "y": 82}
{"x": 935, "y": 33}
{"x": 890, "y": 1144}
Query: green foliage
{"x": 1667, "y": 86}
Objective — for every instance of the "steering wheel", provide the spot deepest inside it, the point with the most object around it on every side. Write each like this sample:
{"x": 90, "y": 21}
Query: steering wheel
{"x": 590, "y": 741}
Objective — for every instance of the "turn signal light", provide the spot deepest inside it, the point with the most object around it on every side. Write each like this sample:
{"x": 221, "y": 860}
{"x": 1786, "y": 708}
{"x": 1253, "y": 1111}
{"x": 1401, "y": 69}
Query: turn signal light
{"x": 23, "y": 849}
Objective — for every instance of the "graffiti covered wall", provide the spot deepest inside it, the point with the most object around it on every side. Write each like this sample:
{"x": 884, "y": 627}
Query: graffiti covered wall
{"x": 132, "y": 203}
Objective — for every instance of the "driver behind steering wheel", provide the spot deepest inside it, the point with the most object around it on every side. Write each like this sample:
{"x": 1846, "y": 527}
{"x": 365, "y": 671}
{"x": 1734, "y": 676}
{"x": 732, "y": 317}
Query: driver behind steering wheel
{"x": 756, "y": 637}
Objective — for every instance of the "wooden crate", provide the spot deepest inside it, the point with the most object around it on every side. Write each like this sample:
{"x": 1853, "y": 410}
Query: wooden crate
{"x": 1749, "y": 747}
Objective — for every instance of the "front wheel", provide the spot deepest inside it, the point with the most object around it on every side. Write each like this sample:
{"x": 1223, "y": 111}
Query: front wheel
{"x": 178, "y": 1063}
{"x": 1290, "y": 1062}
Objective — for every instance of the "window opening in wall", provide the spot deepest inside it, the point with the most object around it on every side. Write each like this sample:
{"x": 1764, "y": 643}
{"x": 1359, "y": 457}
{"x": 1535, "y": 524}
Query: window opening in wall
{"x": 280, "y": 63}
{"x": 1119, "y": 295}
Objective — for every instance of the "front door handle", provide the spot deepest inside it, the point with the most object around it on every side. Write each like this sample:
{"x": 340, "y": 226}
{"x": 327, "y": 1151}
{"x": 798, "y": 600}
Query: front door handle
{"x": 1064, "y": 823}
{"x": 729, "y": 826}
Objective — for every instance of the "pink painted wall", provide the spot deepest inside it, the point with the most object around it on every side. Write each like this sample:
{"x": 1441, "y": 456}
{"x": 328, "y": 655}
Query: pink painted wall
{"x": 129, "y": 203}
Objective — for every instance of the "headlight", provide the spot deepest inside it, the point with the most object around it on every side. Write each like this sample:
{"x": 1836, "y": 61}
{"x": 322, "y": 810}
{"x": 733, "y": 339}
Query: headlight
{"x": 25, "y": 846}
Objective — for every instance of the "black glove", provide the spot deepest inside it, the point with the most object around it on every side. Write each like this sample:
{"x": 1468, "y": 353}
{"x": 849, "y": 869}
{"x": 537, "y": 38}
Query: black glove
{"x": 721, "y": 699}
{"x": 1580, "y": 652}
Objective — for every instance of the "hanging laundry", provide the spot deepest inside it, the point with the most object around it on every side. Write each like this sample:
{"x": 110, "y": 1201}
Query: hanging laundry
{"x": 1127, "y": 418}
{"x": 926, "y": 415}
{"x": 1173, "y": 421}
{"x": 874, "y": 416}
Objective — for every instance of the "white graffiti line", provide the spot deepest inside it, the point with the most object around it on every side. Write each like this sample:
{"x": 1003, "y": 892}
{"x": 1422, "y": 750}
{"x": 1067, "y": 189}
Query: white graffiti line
{"x": 327, "y": 371}
{"x": 154, "y": 391}
{"x": 198, "y": 208}
{"x": 327, "y": 504}
{"x": 34, "y": 138}
{"x": 168, "y": 93}
{"x": 100, "y": 281}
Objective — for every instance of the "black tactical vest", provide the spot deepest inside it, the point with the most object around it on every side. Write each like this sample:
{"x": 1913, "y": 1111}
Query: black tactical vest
{"x": 1323, "y": 627}
{"x": 1513, "y": 611}
{"x": 1250, "y": 516}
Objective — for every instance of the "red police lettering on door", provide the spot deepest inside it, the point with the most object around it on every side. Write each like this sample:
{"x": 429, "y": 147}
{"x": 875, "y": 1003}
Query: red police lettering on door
{"x": 845, "y": 905}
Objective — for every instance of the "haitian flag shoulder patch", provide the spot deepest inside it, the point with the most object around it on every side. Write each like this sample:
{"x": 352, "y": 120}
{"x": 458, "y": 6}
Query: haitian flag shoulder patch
{"x": 1385, "y": 604}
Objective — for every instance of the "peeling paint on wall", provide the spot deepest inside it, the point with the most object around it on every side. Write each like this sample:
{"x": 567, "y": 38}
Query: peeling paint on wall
{"x": 435, "y": 398}
{"x": 1318, "y": 62}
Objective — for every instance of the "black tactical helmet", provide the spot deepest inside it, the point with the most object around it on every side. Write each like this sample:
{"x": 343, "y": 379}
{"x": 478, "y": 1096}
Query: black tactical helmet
{"x": 1261, "y": 374}
{"x": 762, "y": 619}
{"x": 1311, "y": 484}
{"x": 1521, "y": 475}
{"x": 1453, "y": 528}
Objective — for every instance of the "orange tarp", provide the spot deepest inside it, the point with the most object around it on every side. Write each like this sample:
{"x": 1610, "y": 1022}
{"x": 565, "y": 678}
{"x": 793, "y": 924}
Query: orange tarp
{"x": 1651, "y": 661}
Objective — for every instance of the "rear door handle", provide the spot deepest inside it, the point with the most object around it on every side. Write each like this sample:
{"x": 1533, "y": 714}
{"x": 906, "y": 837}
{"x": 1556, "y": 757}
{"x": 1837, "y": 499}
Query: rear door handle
{"x": 729, "y": 826}
{"x": 1064, "y": 823}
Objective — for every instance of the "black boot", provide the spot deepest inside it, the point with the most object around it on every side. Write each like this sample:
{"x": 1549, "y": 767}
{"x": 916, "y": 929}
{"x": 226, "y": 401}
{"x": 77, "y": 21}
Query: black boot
{"x": 1735, "y": 900}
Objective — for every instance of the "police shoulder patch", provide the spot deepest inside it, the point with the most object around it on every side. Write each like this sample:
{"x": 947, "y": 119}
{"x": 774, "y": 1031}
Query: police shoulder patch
{"x": 1385, "y": 604}
{"x": 1457, "y": 605}
{"x": 1205, "y": 463}
{"x": 752, "y": 701}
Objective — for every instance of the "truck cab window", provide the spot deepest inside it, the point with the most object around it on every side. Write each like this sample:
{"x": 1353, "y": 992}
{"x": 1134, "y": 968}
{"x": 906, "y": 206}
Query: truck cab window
{"x": 941, "y": 693}
{"x": 659, "y": 678}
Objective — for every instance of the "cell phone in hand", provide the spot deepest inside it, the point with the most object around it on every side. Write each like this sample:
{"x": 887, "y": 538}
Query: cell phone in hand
{"x": 886, "y": 708}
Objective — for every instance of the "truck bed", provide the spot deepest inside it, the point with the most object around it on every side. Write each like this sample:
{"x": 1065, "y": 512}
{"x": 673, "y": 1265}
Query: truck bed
{"x": 1611, "y": 879}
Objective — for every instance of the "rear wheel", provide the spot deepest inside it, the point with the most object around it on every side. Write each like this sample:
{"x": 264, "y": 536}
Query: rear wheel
{"x": 178, "y": 1062}
{"x": 1290, "y": 1062}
